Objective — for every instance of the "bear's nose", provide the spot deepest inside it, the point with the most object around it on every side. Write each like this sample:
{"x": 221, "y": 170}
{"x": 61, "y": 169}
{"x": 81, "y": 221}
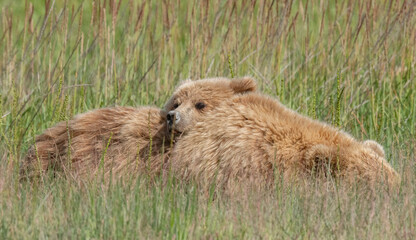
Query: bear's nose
{"x": 173, "y": 117}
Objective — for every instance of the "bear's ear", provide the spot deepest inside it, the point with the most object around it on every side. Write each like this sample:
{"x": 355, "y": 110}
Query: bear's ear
{"x": 183, "y": 82}
{"x": 375, "y": 146}
{"x": 243, "y": 85}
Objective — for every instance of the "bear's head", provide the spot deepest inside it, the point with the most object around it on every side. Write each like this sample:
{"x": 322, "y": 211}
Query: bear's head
{"x": 365, "y": 159}
{"x": 192, "y": 100}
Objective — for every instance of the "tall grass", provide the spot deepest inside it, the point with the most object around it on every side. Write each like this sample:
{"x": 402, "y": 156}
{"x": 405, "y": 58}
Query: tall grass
{"x": 349, "y": 63}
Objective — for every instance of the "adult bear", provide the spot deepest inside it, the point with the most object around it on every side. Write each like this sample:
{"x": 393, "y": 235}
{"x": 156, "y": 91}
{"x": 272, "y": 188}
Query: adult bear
{"x": 253, "y": 138}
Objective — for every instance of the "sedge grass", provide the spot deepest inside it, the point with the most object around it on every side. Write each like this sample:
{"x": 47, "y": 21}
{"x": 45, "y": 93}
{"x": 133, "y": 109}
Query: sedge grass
{"x": 348, "y": 63}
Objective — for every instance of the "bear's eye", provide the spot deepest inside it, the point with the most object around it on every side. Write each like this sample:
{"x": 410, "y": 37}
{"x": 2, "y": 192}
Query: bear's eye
{"x": 200, "y": 105}
{"x": 175, "y": 106}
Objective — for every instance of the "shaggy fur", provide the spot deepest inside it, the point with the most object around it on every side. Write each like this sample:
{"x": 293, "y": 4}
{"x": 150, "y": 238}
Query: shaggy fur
{"x": 137, "y": 138}
{"x": 84, "y": 140}
{"x": 252, "y": 137}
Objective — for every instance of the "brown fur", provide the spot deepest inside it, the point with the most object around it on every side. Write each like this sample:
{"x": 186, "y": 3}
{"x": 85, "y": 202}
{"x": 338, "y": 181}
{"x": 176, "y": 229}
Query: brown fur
{"x": 252, "y": 138}
{"x": 84, "y": 140}
{"x": 139, "y": 138}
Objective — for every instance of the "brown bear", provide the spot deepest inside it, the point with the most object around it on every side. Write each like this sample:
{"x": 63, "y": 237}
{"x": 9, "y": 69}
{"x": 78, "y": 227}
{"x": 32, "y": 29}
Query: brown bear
{"x": 253, "y": 138}
{"x": 124, "y": 140}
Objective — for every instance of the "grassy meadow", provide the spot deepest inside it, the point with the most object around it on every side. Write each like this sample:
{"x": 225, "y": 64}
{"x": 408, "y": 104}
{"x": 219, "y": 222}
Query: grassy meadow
{"x": 349, "y": 63}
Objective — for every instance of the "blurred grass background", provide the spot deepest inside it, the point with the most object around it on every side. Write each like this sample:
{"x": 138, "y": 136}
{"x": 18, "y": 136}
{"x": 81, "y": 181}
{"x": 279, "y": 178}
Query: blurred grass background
{"x": 349, "y": 63}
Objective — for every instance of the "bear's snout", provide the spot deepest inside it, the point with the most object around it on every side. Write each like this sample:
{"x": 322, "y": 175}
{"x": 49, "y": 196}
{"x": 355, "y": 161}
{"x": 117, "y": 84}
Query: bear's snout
{"x": 173, "y": 117}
